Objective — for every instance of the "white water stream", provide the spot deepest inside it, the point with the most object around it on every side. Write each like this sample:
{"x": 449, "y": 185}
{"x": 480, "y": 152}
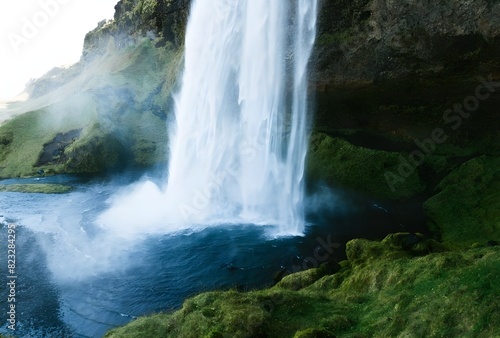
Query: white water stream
{"x": 239, "y": 144}
{"x": 239, "y": 141}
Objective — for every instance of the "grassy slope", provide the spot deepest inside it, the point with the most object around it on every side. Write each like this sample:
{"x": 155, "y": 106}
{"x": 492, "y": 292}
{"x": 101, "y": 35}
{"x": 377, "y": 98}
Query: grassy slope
{"x": 24, "y": 136}
{"x": 150, "y": 74}
{"x": 382, "y": 291}
{"x": 121, "y": 108}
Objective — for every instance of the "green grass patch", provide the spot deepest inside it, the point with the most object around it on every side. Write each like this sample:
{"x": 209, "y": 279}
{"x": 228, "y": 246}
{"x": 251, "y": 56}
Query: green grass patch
{"x": 23, "y": 137}
{"x": 36, "y": 188}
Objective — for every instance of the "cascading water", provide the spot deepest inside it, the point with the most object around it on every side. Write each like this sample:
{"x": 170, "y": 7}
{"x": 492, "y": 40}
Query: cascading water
{"x": 240, "y": 139}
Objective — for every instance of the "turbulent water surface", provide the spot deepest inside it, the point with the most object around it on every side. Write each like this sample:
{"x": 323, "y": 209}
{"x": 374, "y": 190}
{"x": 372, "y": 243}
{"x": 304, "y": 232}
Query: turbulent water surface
{"x": 77, "y": 279}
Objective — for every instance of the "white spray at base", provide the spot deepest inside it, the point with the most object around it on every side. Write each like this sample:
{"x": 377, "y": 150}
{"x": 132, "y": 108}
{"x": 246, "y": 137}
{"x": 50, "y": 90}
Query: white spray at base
{"x": 238, "y": 146}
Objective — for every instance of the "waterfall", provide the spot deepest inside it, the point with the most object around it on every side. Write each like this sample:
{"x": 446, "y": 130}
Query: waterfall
{"x": 239, "y": 141}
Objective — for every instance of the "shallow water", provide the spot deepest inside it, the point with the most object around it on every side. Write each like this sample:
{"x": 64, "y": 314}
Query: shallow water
{"x": 76, "y": 279}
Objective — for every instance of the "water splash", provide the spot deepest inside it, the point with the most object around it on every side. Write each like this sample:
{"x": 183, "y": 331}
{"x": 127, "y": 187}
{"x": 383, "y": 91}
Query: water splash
{"x": 239, "y": 143}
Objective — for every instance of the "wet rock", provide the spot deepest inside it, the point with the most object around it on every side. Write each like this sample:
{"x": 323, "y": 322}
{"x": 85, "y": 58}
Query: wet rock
{"x": 329, "y": 268}
{"x": 53, "y": 151}
{"x": 409, "y": 241}
{"x": 278, "y": 276}
{"x": 378, "y": 40}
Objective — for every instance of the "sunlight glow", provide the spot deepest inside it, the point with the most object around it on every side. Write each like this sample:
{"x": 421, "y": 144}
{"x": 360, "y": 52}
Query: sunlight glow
{"x": 37, "y": 35}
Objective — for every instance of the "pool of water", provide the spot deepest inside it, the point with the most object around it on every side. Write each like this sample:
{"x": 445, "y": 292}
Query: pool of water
{"x": 75, "y": 279}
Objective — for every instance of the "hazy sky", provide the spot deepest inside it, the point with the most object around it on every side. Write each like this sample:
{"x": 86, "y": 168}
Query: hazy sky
{"x": 37, "y": 35}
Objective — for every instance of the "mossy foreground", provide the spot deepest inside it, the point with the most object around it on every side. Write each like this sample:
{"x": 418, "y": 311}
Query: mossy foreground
{"x": 400, "y": 287}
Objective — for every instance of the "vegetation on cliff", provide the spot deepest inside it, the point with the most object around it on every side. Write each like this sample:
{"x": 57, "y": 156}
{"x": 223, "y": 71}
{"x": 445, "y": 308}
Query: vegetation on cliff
{"x": 96, "y": 117}
{"x": 341, "y": 164}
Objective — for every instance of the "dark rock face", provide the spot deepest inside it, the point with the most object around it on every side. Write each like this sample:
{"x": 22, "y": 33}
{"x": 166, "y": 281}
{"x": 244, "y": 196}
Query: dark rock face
{"x": 53, "y": 152}
{"x": 357, "y": 40}
{"x": 164, "y": 17}
{"x": 492, "y": 243}
{"x": 171, "y": 19}
{"x": 135, "y": 19}
{"x": 365, "y": 40}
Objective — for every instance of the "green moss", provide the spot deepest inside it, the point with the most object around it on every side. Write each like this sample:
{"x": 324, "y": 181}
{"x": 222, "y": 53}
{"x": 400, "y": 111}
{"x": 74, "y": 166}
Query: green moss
{"x": 432, "y": 296}
{"x": 152, "y": 326}
{"x": 24, "y": 136}
{"x": 465, "y": 208}
{"x": 384, "y": 291}
{"x": 37, "y": 188}
{"x": 94, "y": 151}
{"x": 299, "y": 281}
{"x": 339, "y": 163}
{"x": 145, "y": 8}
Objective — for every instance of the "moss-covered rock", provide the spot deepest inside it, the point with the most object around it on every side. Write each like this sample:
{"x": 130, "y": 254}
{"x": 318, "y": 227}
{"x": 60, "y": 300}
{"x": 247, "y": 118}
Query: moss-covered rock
{"x": 465, "y": 208}
{"x": 27, "y": 135}
{"x": 94, "y": 151}
{"x": 38, "y": 144}
{"x": 299, "y": 281}
{"x": 340, "y": 163}
{"x": 394, "y": 246}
